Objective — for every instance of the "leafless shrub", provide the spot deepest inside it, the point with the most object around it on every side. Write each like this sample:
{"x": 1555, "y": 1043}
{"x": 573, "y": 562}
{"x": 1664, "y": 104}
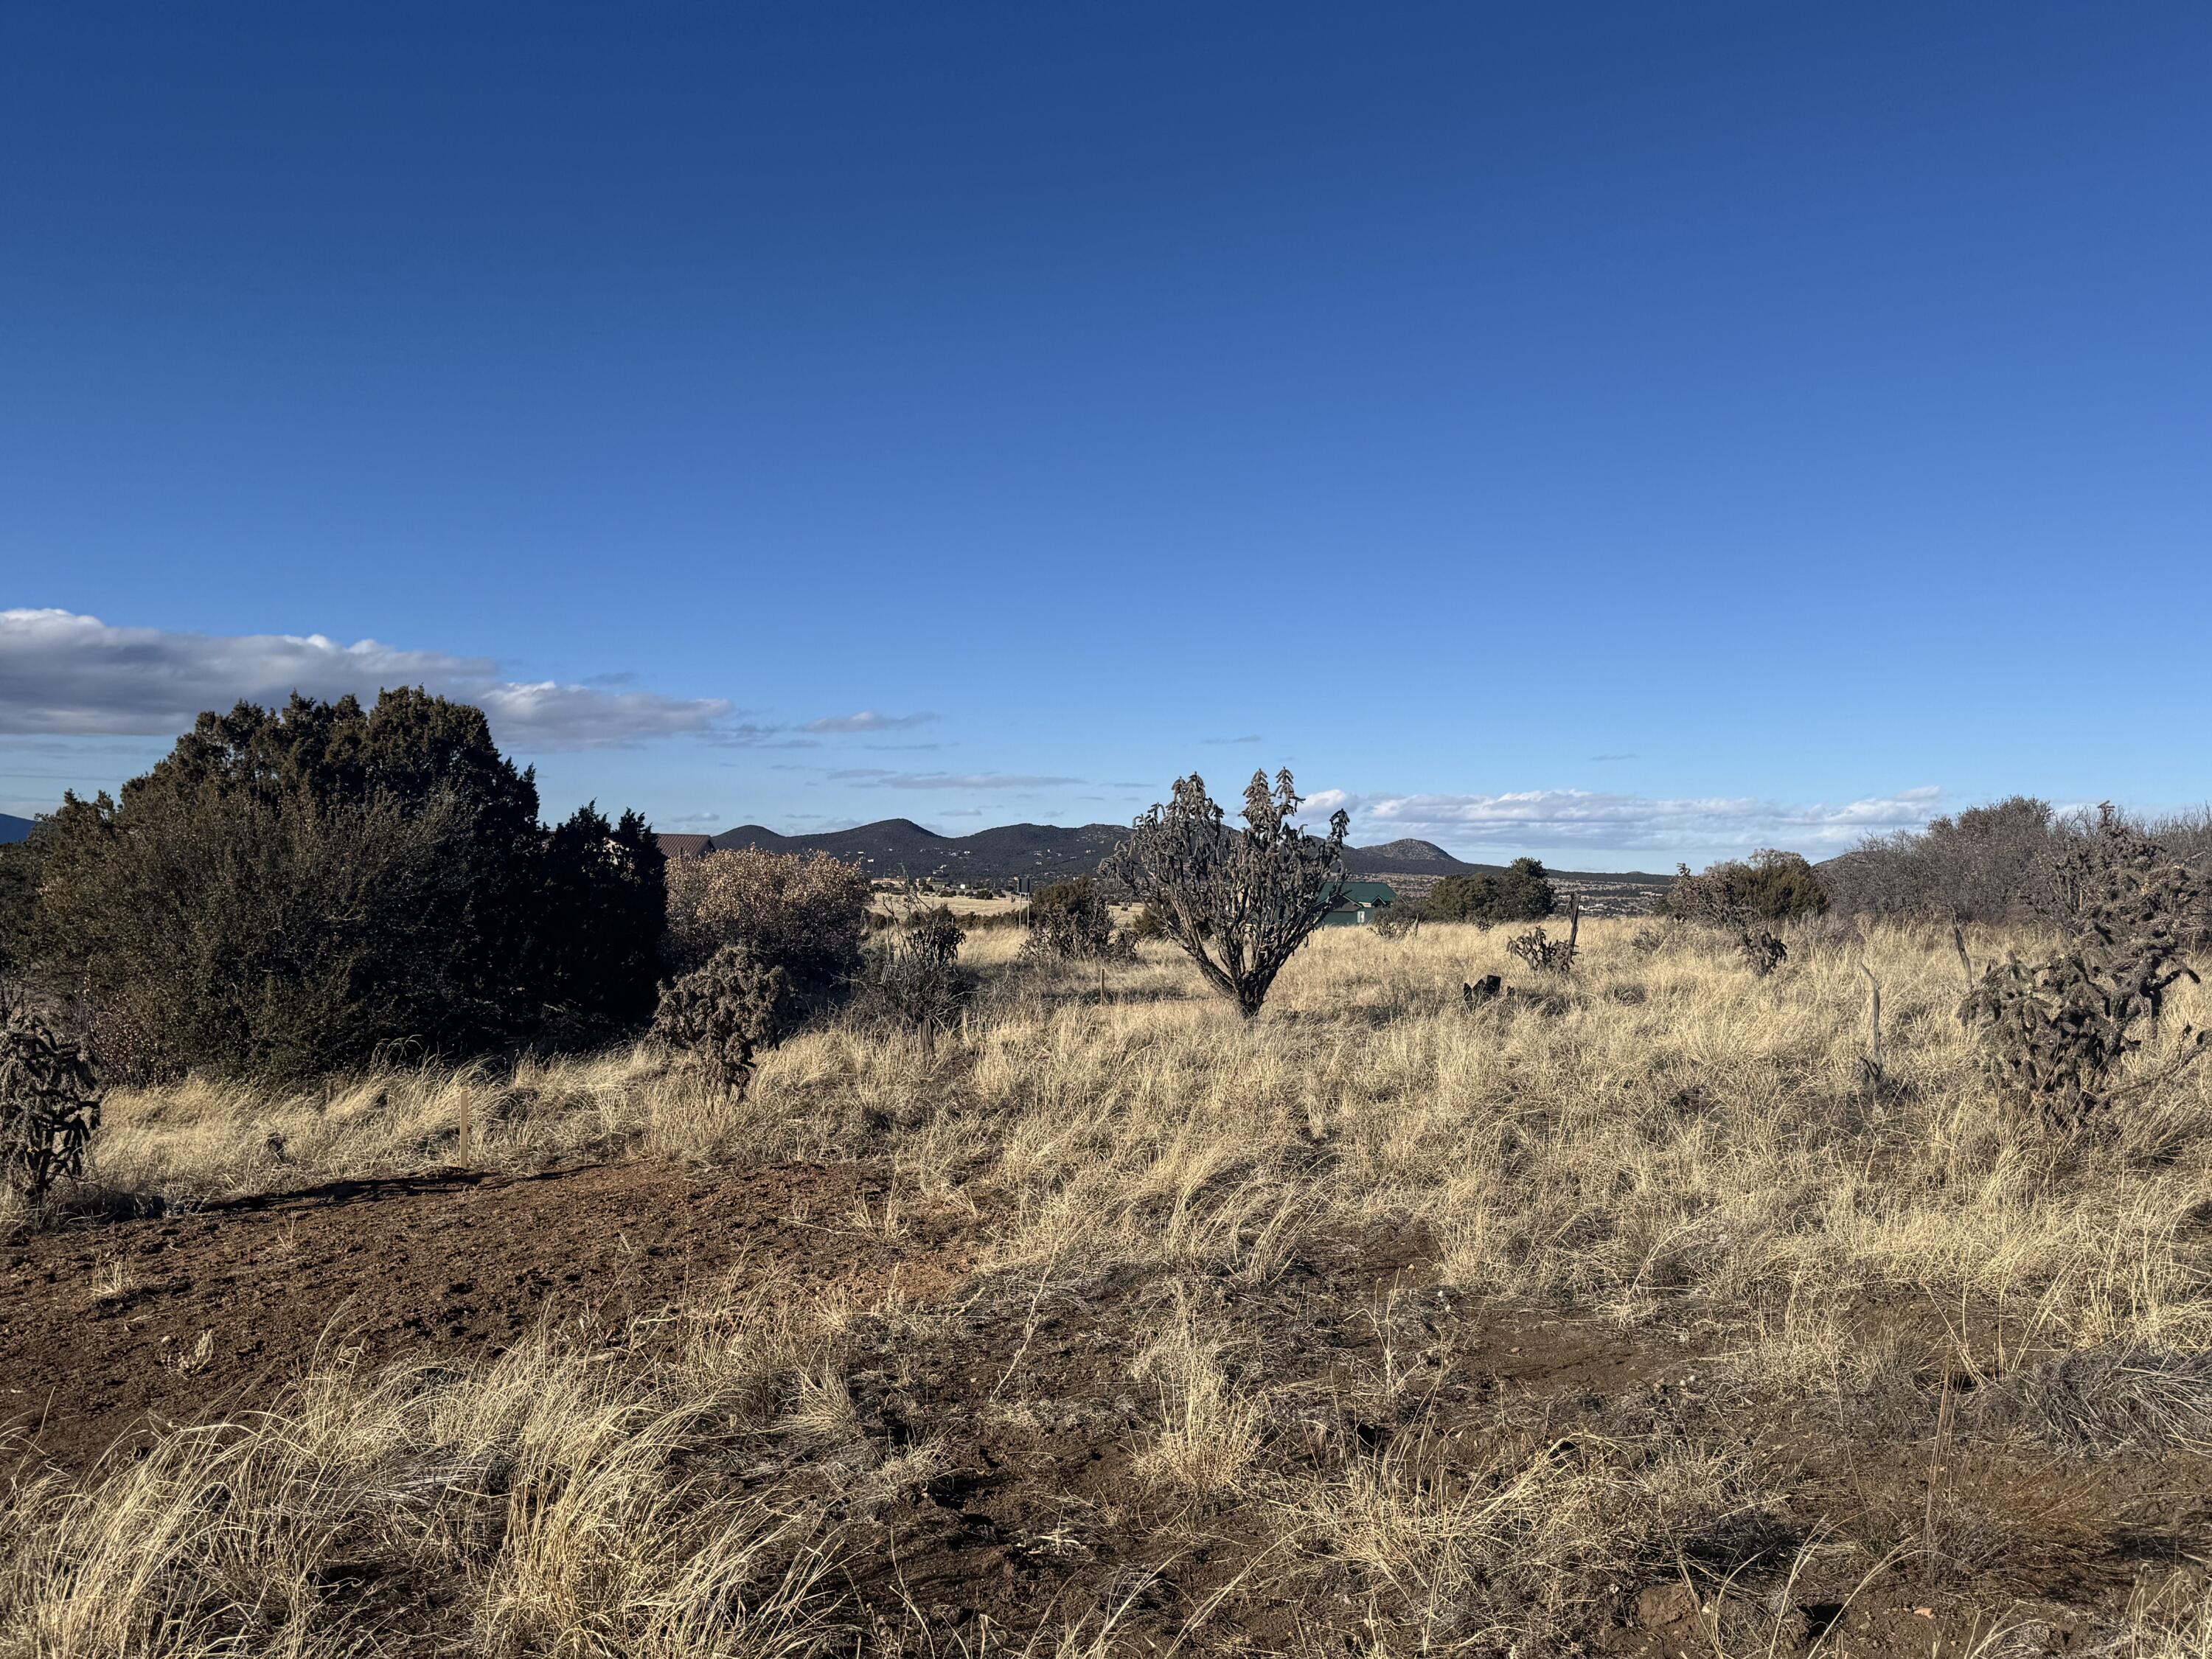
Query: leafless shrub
{"x": 49, "y": 1108}
{"x": 805, "y": 914}
{"x": 1985, "y": 865}
{"x": 1995, "y": 864}
{"x": 2054, "y": 1037}
{"x": 1239, "y": 901}
{"x": 1400, "y": 920}
{"x": 718, "y": 1017}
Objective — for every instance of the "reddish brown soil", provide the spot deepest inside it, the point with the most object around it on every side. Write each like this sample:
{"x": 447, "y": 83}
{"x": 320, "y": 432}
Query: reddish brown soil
{"x": 1037, "y": 1513}
{"x": 109, "y": 1330}
{"x": 1042, "y": 1507}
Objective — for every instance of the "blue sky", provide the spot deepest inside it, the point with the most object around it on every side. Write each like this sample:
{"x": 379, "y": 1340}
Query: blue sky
{"x": 1618, "y": 432}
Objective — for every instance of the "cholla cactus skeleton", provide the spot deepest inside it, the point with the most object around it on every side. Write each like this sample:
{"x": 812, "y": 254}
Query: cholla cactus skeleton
{"x": 2054, "y": 1037}
{"x": 1239, "y": 901}
{"x": 49, "y": 1105}
{"x": 718, "y": 1018}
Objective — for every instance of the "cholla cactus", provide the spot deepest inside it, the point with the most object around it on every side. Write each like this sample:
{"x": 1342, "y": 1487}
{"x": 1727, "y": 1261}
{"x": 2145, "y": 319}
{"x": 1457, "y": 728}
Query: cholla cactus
{"x": 49, "y": 1107}
{"x": 1547, "y": 955}
{"x": 2055, "y": 1036}
{"x": 1239, "y": 901}
{"x": 1762, "y": 950}
{"x": 718, "y": 1017}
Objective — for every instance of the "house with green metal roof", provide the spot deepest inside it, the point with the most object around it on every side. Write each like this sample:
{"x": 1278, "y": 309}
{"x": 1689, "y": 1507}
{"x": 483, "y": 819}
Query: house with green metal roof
{"x": 1355, "y": 906}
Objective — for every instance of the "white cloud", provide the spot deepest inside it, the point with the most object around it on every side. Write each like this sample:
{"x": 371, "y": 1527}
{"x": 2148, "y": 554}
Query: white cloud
{"x": 70, "y": 675}
{"x": 1581, "y": 817}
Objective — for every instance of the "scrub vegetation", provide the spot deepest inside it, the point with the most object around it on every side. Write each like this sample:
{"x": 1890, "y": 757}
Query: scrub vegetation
{"x": 917, "y": 1292}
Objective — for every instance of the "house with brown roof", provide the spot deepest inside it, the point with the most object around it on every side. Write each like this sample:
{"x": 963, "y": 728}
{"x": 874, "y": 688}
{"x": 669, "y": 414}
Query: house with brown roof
{"x": 685, "y": 847}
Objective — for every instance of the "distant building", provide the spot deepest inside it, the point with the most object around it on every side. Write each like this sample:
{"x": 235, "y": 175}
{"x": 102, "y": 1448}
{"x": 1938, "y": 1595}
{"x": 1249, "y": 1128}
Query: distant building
{"x": 1356, "y": 905}
{"x": 685, "y": 847}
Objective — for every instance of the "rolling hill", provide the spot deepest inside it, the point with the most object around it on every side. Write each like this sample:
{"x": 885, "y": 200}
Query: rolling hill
{"x": 1048, "y": 852}
{"x": 12, "y": 828}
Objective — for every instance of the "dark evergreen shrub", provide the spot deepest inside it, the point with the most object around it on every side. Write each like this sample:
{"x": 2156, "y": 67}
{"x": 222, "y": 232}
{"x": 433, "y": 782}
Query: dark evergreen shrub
{"x": 20, "y": 863}
{"x": 605, "y": 909}
{"x": 1522, "y": 893}
{"x": 1070, "y": 920}
{"x": 301, "y": 890}
{"x": 1770, "y": 885}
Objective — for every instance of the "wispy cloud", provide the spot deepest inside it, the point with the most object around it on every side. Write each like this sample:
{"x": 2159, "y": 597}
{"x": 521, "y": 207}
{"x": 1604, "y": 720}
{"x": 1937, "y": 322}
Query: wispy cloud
{"x": 750, "y": 734}
{"x": 1622, "y": 823}
{"x": 867, "y": 720}
{"x": 1253, "y": 738}
{"x": 77, "y": 675}
{"x": 976, "y": 780}
{"x": 1601, "y": 759}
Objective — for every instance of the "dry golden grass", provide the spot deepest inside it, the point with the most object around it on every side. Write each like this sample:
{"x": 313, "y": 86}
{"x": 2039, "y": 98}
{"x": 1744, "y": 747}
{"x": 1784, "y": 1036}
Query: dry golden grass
{"x": 1678, "y": 1143}
{"x": 1709, "y": 1137}
{"x": 534, "y": 1504}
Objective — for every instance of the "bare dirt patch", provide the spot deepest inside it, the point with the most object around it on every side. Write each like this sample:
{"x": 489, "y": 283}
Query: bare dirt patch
{"x": 115, "y": 1329}
{"x": 1426, "y": 1470}
{"x": 1342, "y": 1450}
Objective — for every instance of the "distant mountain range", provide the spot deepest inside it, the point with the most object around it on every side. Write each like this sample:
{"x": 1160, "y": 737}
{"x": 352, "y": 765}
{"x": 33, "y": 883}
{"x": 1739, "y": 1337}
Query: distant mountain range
{"x": 1048, "y": 852}
{"x": 12, "y": 828}
{"x": 897, "y": 846}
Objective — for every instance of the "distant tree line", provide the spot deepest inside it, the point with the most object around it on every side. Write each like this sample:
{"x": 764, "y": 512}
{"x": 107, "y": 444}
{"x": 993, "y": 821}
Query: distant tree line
{"x": 2014, "y": 861}
{"x": 300, "y": 890}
